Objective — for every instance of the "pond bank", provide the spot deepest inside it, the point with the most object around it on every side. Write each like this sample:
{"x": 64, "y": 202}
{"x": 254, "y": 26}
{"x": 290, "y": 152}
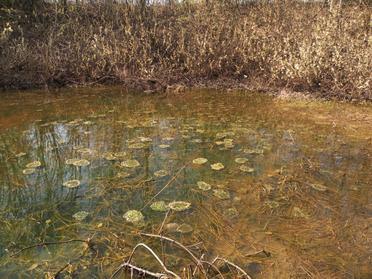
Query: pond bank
{"x": 301, "y": 47}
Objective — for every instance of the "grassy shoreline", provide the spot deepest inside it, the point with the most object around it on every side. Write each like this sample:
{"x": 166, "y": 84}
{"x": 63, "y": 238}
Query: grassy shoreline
{"x": 296, "y": 46}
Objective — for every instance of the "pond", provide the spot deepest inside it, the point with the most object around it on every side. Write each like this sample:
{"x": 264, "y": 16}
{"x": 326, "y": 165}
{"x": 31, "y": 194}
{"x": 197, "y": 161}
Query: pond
{"x": 279, "y": 188}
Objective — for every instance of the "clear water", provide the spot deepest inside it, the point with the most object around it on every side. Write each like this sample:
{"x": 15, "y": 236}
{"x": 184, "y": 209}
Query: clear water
{"x": 302, "y": 195}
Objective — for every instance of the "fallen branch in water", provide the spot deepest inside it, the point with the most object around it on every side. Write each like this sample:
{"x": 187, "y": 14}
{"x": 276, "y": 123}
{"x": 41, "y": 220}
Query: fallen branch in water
{"x": 163, "y": 223}
{"x": 140, "y": 271}
{"x": 194, "y": 258}
{"x": 233, "y": 265}
{"x": 166, "y": 270}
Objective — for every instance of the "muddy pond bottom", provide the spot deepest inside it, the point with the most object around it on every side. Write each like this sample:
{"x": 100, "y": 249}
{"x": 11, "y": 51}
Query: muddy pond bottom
{"x": 261, "y": 188}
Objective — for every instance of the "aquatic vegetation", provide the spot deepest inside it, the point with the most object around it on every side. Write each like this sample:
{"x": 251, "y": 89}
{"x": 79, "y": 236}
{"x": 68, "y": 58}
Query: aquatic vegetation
{"x": 123, "y": 174}
{"x": 231, "y": 212}
{"x": 33, "y": 165}
{"x": 134, "y": 216}
{"x": 71, "y": 161}
{"x": 319, "y": 187}
{"x": 241, "y": 160}
{"x": 221, "y": 194}
{"x": 161, "y": 173}
{"x": 217, "y": 166}
{"x": 81, "y": 163}
{"x": 138, "y": 145}
{"x": 171, "y": 227}
{"x": 28, "y": 171}
{"x": 84, "y": 151}
{"x": 131, "y": 163}
{"x": 80, "y": 216}
{"x": 109, "y": 156}
{"x": 299, "y": 213}
{"x": 204, "y": 186}
{"x": 145, "y": 139}
{"x": 273, "y": 206}
{"x": 164, "y": 146}
{"x": 245, "y": 168}
{"x": 20, "y": 154}
{"x": 184, "y": 228}
{"x": 179, "y": 205}
{"x": 120, "y": 155}
{"x": 72, "y": 183}
{"x": 200, "y": 161}
{"x": 159, "y": 206}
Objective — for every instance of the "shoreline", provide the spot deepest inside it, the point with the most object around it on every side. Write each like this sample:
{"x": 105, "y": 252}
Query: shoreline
{"x": 153, "y": 86}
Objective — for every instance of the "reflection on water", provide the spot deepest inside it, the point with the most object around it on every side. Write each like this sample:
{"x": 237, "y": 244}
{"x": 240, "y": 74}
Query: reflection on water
{"x": 288, "y": 194}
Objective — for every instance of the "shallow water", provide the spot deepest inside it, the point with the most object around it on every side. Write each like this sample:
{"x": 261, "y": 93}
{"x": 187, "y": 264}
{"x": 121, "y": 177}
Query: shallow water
{"x": 296, "y": 204}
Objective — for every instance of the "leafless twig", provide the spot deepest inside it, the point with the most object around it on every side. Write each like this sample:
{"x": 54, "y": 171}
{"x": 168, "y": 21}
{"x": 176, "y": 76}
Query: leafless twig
{"x": 193, "y": 257}
{"x": 166, "y": 270}
{"x": 233, "y": 265}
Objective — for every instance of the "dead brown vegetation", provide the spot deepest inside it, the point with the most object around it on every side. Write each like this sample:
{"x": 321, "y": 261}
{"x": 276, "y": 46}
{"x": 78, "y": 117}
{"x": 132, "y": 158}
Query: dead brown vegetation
{"x": 301, "y": 46}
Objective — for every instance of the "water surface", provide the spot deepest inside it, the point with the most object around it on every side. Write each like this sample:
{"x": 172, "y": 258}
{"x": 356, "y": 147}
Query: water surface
{"x": 292, "y": 198}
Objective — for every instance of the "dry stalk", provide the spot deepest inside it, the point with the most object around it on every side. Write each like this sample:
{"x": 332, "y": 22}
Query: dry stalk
{"x": 166, "y": 185}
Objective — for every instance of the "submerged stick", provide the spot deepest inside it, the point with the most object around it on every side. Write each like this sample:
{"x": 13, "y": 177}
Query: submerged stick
{"x": 141, "y": 272}
{"x": 233, "y": 265}
{"x": 50, "y": 243}
{"x": 194, "y": 258}
{"x": 166, "y": 270}
{"x": 166, "y": 185}
{"x": 163, "y": 223}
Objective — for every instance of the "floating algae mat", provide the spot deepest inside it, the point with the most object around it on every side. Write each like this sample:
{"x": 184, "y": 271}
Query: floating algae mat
{"x": 281, "y": 189}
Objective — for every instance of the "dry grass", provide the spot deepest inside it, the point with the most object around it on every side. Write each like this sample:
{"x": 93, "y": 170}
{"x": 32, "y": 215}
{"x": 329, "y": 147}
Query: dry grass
{"x": 300, "y": 46}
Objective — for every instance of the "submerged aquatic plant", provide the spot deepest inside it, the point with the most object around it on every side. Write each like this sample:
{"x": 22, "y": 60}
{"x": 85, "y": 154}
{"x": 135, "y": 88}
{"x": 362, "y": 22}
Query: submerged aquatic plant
{"x": 161, "y": 173}
{"x": 245, "y": 168}
{"x": 231, "y": 212}
{"x": 28, "y": 171}
{"x": 221, "y": 194}
{"x": 217, "y": 166}
{"x": 109, "y": 156}
{"x": 33, "y": 165}
{"x": 179, "y": 205}
{"x": 159, "y": 206}
{"x": 80, "y": 216}
{"x": 134, "y": 216}
{"x": 241, "y": 160}
{"x": 184, "y": 228}
{"x": 71, "y": 161}
{"x": 200, "y": 161}
{"x": 203, "y": 186}
{"x": 123, "y": 174}
{"x": 81, "y": 163}
{"x": 164, "y": 146}
{"x": 131, "y": 163}
{"x": 137, "y": 145}
{"x": 72, "y": 183}
{"x": 319, "y": 187}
